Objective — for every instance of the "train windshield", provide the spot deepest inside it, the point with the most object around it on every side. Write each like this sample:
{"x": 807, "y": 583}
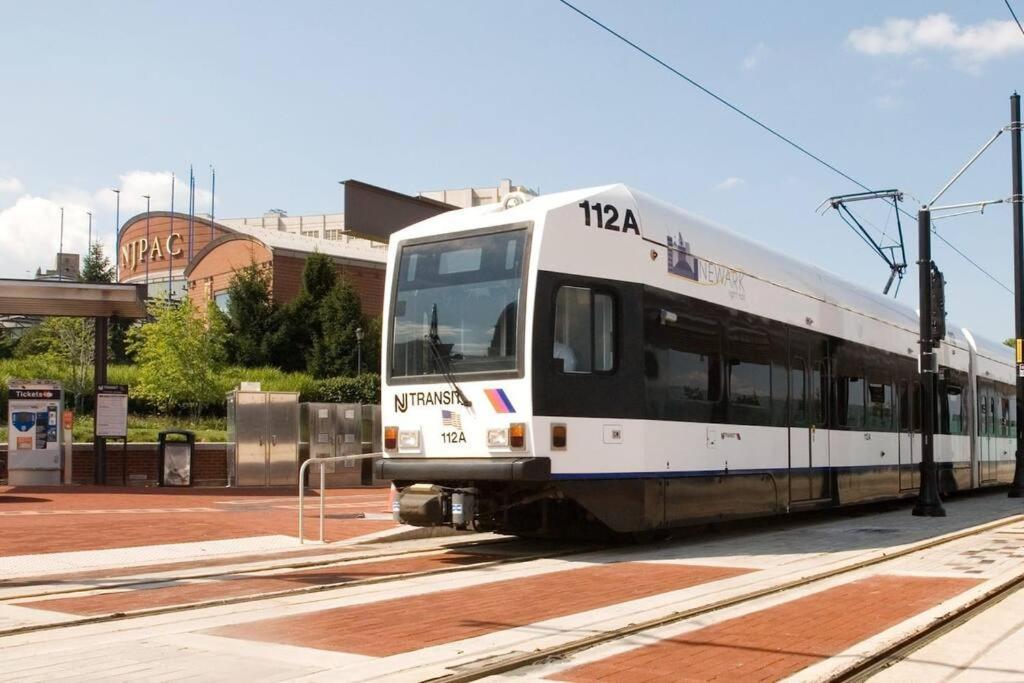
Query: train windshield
{"x": 456, "y": 305}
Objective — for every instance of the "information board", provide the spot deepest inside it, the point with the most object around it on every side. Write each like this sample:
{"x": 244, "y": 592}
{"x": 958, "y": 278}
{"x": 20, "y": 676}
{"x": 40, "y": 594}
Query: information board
{"x": 112, "y": 410}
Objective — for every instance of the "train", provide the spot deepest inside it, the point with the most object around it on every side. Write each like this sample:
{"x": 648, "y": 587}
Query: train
{"x": 598, "y": 361}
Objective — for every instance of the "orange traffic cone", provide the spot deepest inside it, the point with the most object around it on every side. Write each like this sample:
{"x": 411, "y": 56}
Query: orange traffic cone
{"x": 393, "y": 502}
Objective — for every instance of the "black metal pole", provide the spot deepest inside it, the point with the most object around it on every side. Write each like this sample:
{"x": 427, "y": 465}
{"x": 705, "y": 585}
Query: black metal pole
{"x": 170, "y": 259}
{"x": 928, "y": 503}
{"x": 1017, "y": 488}
{"x": 99, "y": 443}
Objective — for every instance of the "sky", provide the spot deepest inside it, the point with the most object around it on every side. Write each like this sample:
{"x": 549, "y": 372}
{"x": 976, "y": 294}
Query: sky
{"x": 286, "y": 99}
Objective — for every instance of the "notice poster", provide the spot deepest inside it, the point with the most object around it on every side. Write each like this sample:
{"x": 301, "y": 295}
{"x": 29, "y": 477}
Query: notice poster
{"x": 112, "y": 410}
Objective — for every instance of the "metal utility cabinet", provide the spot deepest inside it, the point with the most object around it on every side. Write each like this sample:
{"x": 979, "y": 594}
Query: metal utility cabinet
{"x": 330, "y": 429}
{"x": 263, "y": 438}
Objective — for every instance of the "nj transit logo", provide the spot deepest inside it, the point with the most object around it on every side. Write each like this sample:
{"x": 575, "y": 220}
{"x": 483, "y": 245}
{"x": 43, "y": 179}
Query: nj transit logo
{"x": 499, "y": 400}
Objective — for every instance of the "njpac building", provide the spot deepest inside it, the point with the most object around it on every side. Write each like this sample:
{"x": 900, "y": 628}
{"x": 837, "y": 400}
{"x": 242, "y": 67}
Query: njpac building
{"x": 195, "y": 256}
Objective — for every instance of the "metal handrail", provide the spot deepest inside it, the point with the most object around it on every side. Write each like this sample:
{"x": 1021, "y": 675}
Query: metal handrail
{"x": 302, "y": 487}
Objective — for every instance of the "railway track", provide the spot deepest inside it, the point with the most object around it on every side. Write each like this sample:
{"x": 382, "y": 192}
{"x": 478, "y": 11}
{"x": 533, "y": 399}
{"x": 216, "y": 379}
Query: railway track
{"x": 268, "y": 572}
{"x": 903, "y": 648}
{"x": 494, "y": 666}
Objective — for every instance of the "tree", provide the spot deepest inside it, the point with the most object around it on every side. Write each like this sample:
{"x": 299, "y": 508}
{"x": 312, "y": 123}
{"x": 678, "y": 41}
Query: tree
{"x": 69, "y": 343}
{"x": 1011, "y": 342}
{"x": 178, "y": 356}
{"x": 296, "y": 325}
{"x": 97, "y": 267}
{"x": 318, "y": 276}
{"x": 249, "y": 315}
{"x": 335, "y": 347}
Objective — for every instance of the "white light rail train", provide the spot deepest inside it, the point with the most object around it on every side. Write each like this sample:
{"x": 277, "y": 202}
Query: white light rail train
{"x": 598, "y": 361}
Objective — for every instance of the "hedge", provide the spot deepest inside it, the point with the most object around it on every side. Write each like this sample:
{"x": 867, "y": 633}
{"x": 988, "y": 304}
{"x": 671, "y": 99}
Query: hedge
{"x": 362, "y": 389}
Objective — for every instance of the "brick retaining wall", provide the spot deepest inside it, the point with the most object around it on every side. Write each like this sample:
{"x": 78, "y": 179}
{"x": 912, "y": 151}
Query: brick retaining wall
{"x": 209, "y": 464}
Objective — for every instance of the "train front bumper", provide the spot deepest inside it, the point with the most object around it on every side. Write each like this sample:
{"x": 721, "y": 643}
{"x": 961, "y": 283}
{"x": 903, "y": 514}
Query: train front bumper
{"x": 464, "y": 469}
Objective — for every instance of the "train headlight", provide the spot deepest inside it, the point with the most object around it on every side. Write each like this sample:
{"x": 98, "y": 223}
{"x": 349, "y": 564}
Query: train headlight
{"x": 390, "y": 438}
{"x": 497, "y": 438}
{"x": 409, "y": 439}
{"x": 517, "y": 435}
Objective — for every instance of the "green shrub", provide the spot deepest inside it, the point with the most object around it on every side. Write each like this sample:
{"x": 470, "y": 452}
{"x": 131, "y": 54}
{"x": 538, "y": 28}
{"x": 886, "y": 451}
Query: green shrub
{"x": 362, "y": 389}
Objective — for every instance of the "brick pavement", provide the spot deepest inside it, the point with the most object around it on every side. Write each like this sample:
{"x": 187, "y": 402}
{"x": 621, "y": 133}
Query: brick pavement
{"x": 48, "y": 520}
{"x": 401, "y": 625}
{"x": 778, "y": 641}
{"x": 183, "y": 594}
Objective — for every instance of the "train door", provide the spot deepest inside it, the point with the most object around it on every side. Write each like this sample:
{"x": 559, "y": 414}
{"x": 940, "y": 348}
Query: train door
{"x": 986, "y": 432}
{"x": 799, "y": 430}
{"x": 909, "y": 457}
{"x": 810, "y": 477}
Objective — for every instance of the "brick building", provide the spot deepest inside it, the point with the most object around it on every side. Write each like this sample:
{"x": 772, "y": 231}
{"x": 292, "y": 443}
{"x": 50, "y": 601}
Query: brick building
{"x": 197, "y": 256}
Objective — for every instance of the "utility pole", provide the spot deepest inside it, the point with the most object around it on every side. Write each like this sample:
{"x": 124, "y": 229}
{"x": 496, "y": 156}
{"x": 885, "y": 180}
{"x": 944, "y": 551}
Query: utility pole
{"x": 60, "y": 248}
{"x": 928, "y": 503}
{"x": 117, "y": 233}
{"x": 1017, "y": 488}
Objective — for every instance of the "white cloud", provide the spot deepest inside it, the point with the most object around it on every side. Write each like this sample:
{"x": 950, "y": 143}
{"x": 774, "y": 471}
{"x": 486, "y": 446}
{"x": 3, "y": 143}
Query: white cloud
{"x": 729, "y": 183}
{"x": 30, "y": 234}
{"x": 157, "y": 184}
{"x": 970, "y": 45}
{"x": 888, "y": 102}
{"x": 30, "y": 227}
{"x": 753, "y": 58}
{"x": 11, "y": 185}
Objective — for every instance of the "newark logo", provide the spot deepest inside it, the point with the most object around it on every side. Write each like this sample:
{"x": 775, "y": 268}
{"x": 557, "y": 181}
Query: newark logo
{"x": 683, "y": 263}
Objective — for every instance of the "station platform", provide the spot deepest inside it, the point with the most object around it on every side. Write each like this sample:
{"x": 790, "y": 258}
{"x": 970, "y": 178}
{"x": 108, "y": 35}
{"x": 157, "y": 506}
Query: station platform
{"x": 67, "y": 531}
{"x": 801, "y": 599}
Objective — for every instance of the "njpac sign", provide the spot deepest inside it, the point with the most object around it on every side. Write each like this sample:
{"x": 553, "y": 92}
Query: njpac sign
{"x": 138, "y": 251}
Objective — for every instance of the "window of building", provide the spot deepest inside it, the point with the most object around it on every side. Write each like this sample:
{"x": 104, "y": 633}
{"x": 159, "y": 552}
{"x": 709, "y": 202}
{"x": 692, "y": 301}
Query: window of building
{"x": 584, "y": 338}
{"x": 221, "y": 299}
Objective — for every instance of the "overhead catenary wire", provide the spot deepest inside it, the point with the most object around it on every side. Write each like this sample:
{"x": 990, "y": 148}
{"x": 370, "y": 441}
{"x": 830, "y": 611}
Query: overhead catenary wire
{"x": 1014, "y": 15}
{"x": 789, "y": 141}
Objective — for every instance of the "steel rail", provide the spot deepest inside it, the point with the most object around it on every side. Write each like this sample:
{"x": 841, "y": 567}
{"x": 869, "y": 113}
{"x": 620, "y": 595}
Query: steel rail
{"x": 154, "y": 581}
{"x": 903, "y": 648}
{"x": 288, "y": 592}
{"x": 504, "y": 665}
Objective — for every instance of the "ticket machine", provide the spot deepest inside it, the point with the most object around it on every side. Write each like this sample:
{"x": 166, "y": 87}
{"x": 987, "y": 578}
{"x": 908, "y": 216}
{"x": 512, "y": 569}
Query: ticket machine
{"x": 34, "y": 432}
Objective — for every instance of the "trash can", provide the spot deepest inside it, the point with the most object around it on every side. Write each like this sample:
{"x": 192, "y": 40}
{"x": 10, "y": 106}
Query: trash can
{"x": 176, "y": 449}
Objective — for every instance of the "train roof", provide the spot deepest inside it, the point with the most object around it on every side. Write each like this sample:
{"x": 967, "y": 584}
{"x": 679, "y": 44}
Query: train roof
{"x": 737, "y": 251}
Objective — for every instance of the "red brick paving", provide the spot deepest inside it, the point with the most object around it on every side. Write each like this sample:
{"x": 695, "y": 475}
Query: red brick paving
{"x": 102, "y": 521}
{"x": 148, "y": 598}
{"x": 390, "y": 627}
{"x": 779, "y": 641}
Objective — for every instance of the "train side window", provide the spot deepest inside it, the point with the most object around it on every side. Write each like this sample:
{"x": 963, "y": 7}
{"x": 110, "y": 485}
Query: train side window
{"x": 584, "y": 338}
{"x": 954, "y": 417}
{"x": 798, "y": 392}
{"x": 817, "y": 395}
{"x": 849, "y": 388}
{"x": 879, "y": 409}
{"x": 750, "y": 375}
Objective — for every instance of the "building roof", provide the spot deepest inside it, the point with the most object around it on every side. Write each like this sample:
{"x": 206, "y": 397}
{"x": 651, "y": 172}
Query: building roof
{"x": 75, "y": 299}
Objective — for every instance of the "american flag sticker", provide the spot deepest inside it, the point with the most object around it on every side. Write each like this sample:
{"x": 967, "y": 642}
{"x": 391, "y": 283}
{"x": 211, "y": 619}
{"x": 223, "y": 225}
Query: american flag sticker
{"x": 450, "y": 418}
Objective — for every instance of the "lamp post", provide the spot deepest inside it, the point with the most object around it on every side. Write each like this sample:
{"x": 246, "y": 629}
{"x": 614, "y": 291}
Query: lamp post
{"x": 60, "y": 247}
{"x": 117, "y": 230}
{"x": 146, "y": 197}
{"x": 359, "y": 351}
{"x": 89, "y": 246}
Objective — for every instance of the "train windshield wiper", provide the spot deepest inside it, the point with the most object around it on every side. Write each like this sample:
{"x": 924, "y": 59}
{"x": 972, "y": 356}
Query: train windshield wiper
{"x": 443, "y": 362}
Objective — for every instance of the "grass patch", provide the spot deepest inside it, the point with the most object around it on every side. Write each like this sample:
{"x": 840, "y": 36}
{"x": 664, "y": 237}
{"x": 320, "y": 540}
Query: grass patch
{"x": 142, "y": 428}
